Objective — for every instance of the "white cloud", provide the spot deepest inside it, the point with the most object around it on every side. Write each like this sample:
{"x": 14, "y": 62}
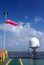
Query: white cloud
{"x": 11, "y": 28}
{"x": 17, "y": 38}
{"x": 26, "y": 17}
{"x": 0, "y": 37}
{"x": 37, "y": 19}
{"x": 0, "y": 26}
{"x": 21, "y": 23}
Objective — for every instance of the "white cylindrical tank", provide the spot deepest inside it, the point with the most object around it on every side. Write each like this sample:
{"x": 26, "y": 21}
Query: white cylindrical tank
{"x": 34, "y": 43}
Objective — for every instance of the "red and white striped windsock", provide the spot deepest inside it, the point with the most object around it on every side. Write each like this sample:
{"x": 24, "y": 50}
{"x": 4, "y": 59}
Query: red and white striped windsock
{"x": 12, "y": 22}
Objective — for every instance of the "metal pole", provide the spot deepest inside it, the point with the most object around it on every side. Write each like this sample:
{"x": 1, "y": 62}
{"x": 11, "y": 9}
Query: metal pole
{"x": 5, "y": 13}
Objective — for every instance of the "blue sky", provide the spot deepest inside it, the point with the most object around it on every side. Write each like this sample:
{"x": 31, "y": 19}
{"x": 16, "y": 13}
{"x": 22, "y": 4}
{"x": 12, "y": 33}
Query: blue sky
{"x": 19, "y": 9}
{"x": 30, "y": 14}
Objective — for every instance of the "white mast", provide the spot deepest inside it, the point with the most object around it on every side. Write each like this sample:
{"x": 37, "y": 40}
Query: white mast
{"x": 5, "y": 13}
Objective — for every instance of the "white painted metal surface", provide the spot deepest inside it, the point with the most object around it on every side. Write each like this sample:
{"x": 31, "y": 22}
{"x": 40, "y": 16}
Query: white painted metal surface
{"x": 34, "y": 43}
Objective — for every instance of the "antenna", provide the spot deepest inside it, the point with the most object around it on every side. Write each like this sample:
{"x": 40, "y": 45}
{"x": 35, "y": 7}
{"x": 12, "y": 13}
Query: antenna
{"x": 34, "y": 44}
{"x": 5, "y": 14}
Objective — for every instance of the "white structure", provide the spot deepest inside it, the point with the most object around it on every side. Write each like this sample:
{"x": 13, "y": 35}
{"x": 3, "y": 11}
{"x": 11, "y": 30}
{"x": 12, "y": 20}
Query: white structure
{"x": 34, "y": 43}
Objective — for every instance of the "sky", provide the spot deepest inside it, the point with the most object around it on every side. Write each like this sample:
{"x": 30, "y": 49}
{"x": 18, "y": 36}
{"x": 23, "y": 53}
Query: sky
{"x": 30, "y": 15}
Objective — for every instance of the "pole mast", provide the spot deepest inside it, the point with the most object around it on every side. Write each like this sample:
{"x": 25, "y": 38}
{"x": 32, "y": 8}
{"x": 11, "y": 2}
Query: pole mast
{"x": 5, "y": 14}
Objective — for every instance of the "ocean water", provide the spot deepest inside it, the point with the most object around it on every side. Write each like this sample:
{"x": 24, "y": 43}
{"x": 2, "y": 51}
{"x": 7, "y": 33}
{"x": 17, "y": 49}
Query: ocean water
{"x": 27, "y": 61}
{"x": 24, "y": 54}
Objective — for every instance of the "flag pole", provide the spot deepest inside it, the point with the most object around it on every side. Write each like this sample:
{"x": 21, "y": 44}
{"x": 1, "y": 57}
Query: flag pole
{"x": 5, "y": 13}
